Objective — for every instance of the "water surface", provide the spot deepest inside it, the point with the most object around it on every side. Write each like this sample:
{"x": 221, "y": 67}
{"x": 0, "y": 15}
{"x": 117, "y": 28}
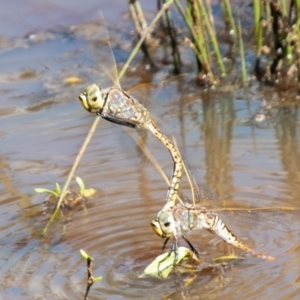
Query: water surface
{"x": 247, "y": 163}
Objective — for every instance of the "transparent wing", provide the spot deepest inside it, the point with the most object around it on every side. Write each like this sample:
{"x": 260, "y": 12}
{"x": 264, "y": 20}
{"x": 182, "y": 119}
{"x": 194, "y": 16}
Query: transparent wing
{"x": 101, "y": 51}
{"x": 109, "y": 66}
{"x": 281, "y": 218}
{"x": 200, "y": 194}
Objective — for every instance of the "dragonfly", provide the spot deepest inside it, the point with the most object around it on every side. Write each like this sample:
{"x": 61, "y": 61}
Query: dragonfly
{"x": 118, "y": 106}
{"x": 187, "y": 216}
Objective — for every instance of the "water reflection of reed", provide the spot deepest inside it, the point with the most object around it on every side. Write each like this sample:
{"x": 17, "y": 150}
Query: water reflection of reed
{"x": 216, "y": 129}
{"x": 217, "y": 133}
{"x": 287, "y": 134}
{"x": 213, "y": 122}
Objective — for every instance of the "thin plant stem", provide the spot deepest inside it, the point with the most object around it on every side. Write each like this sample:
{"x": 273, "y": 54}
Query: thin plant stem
{"x": 242, "y": 54}
{"x": 210, "y": 13}
{"x": 199, "y": 26}
{"x": 267, "y": 8}
{"x": 229, "y": 15}
{"x": 140, "y": 14}
{"x": 258, "y": 22}
{"x": 134, "y": 17}
{"x": 174, "y": 43}
{"x": 199, "y": 46}
{"x": 283, "y": 8}
{"x": 71, "y": 174}
{"x": 143, "y": 37}
{"x": 190, "y": 26}
{"x": 140, "y": 25}
{"x": 213, "y": 37}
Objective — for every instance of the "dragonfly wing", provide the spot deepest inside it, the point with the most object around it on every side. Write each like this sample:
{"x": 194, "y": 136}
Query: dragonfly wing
{"x": 285, "y": 220}
{"x": 202, "y": 194}
{"x": 102, "y": 53}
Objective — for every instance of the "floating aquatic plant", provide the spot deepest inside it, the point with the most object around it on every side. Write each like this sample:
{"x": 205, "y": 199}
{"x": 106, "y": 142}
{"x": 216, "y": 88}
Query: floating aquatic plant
{"x": 163, "y": 264}
{"x": 56, "y": 192}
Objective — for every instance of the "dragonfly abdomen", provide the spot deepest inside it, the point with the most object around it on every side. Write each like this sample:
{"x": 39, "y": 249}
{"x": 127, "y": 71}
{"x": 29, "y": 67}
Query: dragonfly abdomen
{"x": 217, "y": 226}
{"x": 175, "y": 154}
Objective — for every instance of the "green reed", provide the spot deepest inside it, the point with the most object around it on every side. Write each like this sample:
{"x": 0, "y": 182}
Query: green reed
{"x": 276, "y": 37}
{"x": 242, "y": 53}
{"x": 174, "y": 42}
{"x": 258, "y": 24}
{"x": 228, "y": 17}
{"x": 202, "y": 37}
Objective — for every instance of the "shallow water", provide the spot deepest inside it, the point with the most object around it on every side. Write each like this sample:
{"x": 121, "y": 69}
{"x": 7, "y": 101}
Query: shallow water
{"x": 247, "y": 163}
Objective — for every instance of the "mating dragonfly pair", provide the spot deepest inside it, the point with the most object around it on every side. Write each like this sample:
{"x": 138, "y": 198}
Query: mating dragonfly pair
{"x": 177, "y": 219}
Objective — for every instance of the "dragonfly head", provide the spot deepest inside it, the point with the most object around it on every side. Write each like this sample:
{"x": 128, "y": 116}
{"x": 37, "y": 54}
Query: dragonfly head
{"x": 164, "y": 224}
{"x": 91, "y": 99}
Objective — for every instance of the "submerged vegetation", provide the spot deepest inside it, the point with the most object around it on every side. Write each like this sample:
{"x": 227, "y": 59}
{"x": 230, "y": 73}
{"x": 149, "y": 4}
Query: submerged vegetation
{"x": 163, "y": 264}
{"x": 71, "y": 199}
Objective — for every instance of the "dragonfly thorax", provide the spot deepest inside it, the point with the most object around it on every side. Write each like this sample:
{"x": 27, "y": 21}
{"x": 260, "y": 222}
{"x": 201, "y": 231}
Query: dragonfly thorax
{"x": 91, "y": 99}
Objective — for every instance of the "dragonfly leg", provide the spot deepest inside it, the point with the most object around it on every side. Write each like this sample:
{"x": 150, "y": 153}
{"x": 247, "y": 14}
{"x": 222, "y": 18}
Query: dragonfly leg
{"x": 190, "y": 245}
{"x": 174, "y": 249}
{"x": 164, "y": 245}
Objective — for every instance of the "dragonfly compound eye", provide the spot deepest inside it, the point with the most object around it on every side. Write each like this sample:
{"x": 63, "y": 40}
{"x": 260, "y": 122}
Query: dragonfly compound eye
{"x": 167, "y": 224}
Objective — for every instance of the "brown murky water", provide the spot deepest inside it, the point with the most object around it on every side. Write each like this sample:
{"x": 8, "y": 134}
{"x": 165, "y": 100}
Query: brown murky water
{"x": 248, "y": 163}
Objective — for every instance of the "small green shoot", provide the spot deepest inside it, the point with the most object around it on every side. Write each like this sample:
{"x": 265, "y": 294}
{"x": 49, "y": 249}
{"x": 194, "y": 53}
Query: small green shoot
{"x": 99, "y": 278}
{"x": 57, "y": 188}
{"x": 56, "y": 192}
{"x": 85, "y": 255}
{"x": 83, "y": 191}
{"x": 163, "y": 264}
{"x": 90, "y": 278}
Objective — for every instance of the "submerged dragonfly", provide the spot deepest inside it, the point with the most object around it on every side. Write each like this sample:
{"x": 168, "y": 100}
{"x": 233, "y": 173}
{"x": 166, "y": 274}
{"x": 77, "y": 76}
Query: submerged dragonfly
{"x": 186, "y": 217}
{"x": 117, "y": 106}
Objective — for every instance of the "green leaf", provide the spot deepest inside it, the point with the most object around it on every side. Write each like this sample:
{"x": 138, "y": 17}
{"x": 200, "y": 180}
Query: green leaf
{"x": 99, "y": 278}
{"x": 85, "y": 255}
{"x": 163, "y": 264}
{"x": 57, "y": 188}
{"x": 88, "y": 193}
{"x": 81, "y": 184}
{"x": 42, "y": 190}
